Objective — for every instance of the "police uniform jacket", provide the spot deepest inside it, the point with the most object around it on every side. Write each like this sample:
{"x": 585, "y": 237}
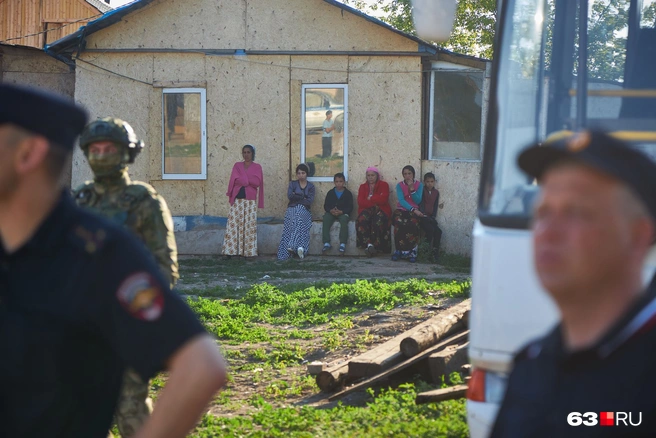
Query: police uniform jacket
{"x": 79, "y": 302}
{"x": 607, "y": 390}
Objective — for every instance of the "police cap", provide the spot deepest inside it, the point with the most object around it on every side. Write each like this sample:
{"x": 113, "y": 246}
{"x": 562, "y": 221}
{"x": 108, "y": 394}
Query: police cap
{"x": 602, "y": 152}
{"x": 52, "y": 116}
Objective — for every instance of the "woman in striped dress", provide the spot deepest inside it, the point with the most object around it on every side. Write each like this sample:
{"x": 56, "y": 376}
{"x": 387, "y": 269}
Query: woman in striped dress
{"x": 298, "y": 219}
{"x": 245, "y": 181}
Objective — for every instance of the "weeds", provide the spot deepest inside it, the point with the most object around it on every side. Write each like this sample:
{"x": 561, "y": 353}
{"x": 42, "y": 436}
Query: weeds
{"x": 241, "y": 320}
{"x": 391, "y": 413}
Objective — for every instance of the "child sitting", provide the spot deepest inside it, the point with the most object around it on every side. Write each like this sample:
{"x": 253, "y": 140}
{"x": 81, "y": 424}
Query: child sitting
{"x": 428, "y": 206}
{"x": 338, "y": 206}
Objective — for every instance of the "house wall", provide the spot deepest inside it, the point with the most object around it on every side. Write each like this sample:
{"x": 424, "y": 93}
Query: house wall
{"x": 32, "y": 67}
{"x": 257, "y": 99}
{"x": 458, "y": 183}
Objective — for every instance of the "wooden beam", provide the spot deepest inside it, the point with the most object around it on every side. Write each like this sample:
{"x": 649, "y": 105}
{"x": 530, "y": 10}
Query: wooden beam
{"x": 411, "y": 361}
{"x": 451, "y": 320}
{"x": 438, "y": 395}
{"x": 389, "y": 353}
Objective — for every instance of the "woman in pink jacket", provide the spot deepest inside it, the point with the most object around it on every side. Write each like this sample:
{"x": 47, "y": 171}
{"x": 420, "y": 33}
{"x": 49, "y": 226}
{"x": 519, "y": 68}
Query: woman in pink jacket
{"x": 245, "y": 181}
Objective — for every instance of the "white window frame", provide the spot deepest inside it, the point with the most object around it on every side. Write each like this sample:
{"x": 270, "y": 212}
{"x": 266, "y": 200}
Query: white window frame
{"x": 203, "y": 134}
{"x": 315, "y": 86}
{"x": 441, "y": 66}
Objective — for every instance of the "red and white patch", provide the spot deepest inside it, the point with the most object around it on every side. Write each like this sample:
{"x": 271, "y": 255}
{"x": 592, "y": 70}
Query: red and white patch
{"x": 141, "y": 296}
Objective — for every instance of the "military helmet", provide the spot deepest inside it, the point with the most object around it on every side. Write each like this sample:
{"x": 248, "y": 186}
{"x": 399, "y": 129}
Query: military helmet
{"x": 114, "y": 130}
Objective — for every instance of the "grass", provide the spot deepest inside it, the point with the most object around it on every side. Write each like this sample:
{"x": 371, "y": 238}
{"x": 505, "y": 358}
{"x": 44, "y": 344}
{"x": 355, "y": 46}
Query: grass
{"x": 239, "y": 319}
{"x": 268, "y": 331}
{"x": 390, "y": 413}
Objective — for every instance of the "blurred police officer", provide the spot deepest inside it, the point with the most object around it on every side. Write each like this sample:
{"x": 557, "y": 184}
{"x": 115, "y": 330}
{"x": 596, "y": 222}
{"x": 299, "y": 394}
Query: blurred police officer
{"x": 109, "y": 145}
{"x": 80, "y": 298}
{"x": 593, "y": 226}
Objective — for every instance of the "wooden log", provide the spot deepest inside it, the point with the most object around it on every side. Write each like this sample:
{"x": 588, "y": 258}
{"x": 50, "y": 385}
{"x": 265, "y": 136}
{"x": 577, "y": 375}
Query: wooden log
{"x": 447, "y": 361}
{"x": 450, "y": 321}
{"x": 333, "y": 377}
{"x": 459, "y": 337}
{"x": 438, "y": 395}
{"x": 388, "y": 354}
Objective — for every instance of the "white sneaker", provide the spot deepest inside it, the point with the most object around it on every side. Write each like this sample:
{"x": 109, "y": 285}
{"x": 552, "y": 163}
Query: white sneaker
{"x": 326, "y": 246}
{"x": 342, "y": 247}
{"x": 300, "y": 252}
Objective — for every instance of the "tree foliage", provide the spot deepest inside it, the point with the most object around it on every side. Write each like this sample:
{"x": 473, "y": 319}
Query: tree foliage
{"x": 473, "y": 29}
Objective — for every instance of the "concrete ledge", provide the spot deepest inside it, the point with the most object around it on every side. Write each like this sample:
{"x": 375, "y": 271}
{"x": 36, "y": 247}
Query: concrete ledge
{"x": 200, "y": 241}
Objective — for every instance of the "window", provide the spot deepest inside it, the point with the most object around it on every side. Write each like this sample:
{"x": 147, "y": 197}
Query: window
{"x": 324, "y": 128}
{"x": 184, "y": 148}
{"x": 456, "y": 112}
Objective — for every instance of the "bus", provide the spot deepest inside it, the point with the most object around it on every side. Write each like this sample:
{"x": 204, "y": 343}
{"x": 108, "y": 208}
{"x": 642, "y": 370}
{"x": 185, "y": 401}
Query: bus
{"x": 559, "y": 66}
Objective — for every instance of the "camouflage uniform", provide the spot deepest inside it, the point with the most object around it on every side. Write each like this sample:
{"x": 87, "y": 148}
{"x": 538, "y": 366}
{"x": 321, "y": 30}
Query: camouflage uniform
{"x": 137, "y": 206}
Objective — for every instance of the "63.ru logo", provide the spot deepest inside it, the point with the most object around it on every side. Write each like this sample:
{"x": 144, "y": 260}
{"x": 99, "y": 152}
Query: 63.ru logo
{"x": 603, "y": 419}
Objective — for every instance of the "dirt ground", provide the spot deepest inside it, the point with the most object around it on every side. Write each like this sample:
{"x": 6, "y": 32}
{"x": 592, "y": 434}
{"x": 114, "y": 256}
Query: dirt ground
{"x": 291, "y": 386}
{"x": 310, "y": 269}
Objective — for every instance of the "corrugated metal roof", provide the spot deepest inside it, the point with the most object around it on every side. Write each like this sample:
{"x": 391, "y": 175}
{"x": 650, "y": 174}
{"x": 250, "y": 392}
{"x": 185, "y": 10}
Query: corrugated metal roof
{"x": 100, "y": 5}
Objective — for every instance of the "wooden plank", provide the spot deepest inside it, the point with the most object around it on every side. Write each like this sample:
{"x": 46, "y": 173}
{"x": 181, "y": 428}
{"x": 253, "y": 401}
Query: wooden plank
{"x": 449, "y": 341}
{"x": 451, "y": 320}
{"x": 447, "y": 361}
{"x": 388, "y": 354}
{"x": 438, "y": 395}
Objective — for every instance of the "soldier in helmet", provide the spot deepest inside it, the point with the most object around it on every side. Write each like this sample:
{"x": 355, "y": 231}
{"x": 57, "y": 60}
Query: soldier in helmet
{"x": 110, "y": 144}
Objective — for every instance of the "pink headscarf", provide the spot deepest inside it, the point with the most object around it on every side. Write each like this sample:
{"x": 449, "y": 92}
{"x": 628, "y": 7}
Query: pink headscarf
{"x": 375, "y": 169}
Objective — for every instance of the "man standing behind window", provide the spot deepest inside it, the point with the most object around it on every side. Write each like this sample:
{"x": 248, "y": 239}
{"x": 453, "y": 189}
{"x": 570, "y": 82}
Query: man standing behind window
{"x": 327, "y": 137}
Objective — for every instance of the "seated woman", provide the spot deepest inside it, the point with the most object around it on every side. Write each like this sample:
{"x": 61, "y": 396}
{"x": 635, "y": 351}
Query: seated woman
{"x": 298, "y": 219}
{"x": 406, "y": 218}
{"x": 372, "y": 225}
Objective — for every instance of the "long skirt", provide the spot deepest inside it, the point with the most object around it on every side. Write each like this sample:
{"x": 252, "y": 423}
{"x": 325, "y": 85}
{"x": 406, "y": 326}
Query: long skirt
{"x": 407, "y": 233}
{"x": 372, "y": 227}
{"x": 296, "y": 231}
{"x": 241, "y": 232}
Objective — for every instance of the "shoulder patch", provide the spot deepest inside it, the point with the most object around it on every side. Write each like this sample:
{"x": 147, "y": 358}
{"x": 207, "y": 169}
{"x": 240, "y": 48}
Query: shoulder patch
{"x": 83, "y": 193}
{"x": 141, "y": 296}
{"x": 91, "y": 240}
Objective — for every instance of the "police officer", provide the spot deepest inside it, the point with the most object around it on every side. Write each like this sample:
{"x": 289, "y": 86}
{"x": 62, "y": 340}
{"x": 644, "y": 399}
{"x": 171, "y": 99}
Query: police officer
{"x": 593, "y": 226}
{"x": 109, "y": 145}
{"x": 80, "y": 298}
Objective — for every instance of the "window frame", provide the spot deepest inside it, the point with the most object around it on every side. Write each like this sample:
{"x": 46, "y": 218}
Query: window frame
{"x": 203, "y": 134}
{"x": 345, "y": 130}
{"x": 443, "y": 66}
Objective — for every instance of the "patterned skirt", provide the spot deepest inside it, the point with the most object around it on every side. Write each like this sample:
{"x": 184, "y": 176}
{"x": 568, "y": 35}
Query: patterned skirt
{"x": 241, "y": 232}
{"x": 372, "y": 226}
{"x": 296, "y": 231}
{"x": 406, "y": 233}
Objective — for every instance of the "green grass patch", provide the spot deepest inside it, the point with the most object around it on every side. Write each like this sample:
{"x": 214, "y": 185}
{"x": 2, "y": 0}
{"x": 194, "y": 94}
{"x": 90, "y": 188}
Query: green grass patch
{"x": 391, "y": 413}
{"x": 240, "y": 319}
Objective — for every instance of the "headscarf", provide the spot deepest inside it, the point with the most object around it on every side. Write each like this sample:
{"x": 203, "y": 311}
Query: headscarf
{"x": 374, "y": 169}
